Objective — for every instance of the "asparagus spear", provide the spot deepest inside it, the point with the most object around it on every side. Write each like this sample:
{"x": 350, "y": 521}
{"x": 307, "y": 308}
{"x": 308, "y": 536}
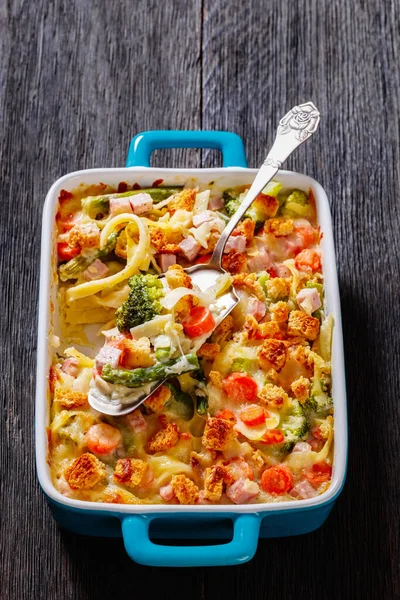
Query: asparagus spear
{"x": 73, "y": 267}
{"x": 138, "y": 377}
{"x": 94, "y": 205}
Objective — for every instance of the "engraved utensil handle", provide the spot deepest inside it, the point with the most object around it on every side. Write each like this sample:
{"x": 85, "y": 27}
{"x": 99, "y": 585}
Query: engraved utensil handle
{"x": 295, "y": 128}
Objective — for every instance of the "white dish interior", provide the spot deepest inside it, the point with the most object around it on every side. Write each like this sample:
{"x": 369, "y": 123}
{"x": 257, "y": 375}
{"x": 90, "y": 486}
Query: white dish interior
{"x": 221, "y": 179}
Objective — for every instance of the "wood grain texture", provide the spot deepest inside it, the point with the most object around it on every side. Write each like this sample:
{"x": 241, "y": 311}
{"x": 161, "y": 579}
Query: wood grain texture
{"x": 78, "y": 79}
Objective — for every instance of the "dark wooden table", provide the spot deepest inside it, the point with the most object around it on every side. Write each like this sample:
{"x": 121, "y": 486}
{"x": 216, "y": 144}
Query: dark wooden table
{"x": 78, "y": 80}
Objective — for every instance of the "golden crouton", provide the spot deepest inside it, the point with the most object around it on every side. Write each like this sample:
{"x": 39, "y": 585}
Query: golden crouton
{"x": 130, "y": 471}
{"x": 136, "y": 353}
{"x": 251, "y": 327}
{"x": 85, "y": 472}
{"x": 184, "y": 200}
{"x": 120, "y": 246}
{"x": 301, "y": 388}
{"x": 270, "y": 329}
{"x": 234, "y": 261}
{"x": 279, "y": 227}
{"x": 245, "y": 228}
{"x": 301, "y": 354}
{"x": 84, "y": 236}
{"x": 249, "y": 282}
{"x": 272, "y": 354}
{"x": 302, "y": 324}
{"x": 164, "y": 439}
{"x": 177, "y": 277}
{"x": 279, "y": 311}
{"x": 216, "y": 379}
{"x": 325, "y": 428}
{"x": 214, "y": 482}
{"x": 225, "y": 326}
{"x": 185, "y": 490}
{"x": 278, "y": 288}
{"x": 270, "y": 204}
{"x": 208, "y": 351}
{"x": 70, "y": 399}
{"x": 158, "y": 398}
{"x": 217, "y": 434}
{"x": 160, "y": 243}
{"x": 273, "y": 395}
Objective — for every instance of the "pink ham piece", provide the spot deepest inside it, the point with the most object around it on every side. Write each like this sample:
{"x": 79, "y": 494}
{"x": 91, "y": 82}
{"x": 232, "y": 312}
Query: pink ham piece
{"x": 303, "y": 490}
{"x": 242, "y": 491}
{"x": 256, "y": 308}
{"x": 108, "y": 356}
{"x": 260, "y": 262}
{"x": 202, "y": 498}
{"x": 216, "y": 203}
{"x": 166, "y": 492}
{"x": 165, "y": 261}
{"x": 137, "y": 421}
{"x": 203, "y": 217}
{"x": 97, "y": 270}
{"x": 141, "y": 203}
{"x": 190, "y": 248}
{"x": 70, "y": 367}
{"x": 237, "y": 242}
{"x": 282, "y": 271}
{"x": 308, "y": 299}
{"x": 118, "y": 206}
{"x": 301, "y": 447}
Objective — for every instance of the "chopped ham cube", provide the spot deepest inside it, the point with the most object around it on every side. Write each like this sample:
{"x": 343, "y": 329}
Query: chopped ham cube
{"x": 216, "y": 203}
{"x": 108, "y": 356}
{"x": 303, "y": 490}
{"x": 70, "y": 366}
{"x": 237, "y": 242}
{"x": 308, "y": 299}
{"x": 282, "y": 271}
{"x": 190, "y": 248}
{"x": 202, "y": 498}
{"x": 119, "y": 206}
{"x": 141, "y": 203}
{"x": 261, "y": 262}
{"x": 242, "y": 491}
{"x": 301, "y": 447}
{"x": 137, "y": 421}
{"x": 203, "y": 217}
{"x": 256, "y": 308}
{"x": 97, "y": 270}
{"x": 166, "y": 492}
{"x": 165, "y": 261}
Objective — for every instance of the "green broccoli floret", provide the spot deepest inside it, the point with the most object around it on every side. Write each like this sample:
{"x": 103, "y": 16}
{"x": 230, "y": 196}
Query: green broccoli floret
{"x": 319, "y": 404}
{"x": 142, "y": 303}
{"x": 297, "y": 205}
{"x": 231, "y": 201}
{"x": 294, "y": 426}
{"x": 298, "y": 196}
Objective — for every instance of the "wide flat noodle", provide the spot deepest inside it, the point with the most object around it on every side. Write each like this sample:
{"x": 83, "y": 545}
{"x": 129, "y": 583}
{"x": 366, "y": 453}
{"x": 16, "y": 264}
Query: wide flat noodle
{"x": 92, "y": 287}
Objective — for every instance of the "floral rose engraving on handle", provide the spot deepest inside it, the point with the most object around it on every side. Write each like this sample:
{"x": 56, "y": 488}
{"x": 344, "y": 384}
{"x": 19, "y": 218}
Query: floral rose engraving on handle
{"x": 303, "y": 120}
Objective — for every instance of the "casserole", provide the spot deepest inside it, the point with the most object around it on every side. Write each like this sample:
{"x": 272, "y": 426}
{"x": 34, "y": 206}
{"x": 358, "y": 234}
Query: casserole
{"x": 249, "y": 521}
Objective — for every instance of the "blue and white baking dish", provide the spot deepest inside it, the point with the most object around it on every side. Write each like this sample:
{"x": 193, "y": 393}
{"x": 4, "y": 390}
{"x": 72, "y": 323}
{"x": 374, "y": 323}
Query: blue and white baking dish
{"x": 237, "y": 528}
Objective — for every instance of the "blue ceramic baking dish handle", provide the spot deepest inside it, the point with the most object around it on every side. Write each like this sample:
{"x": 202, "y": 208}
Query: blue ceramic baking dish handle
{"x": 143, "y": 144}
{"x": 135, "y": 531}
